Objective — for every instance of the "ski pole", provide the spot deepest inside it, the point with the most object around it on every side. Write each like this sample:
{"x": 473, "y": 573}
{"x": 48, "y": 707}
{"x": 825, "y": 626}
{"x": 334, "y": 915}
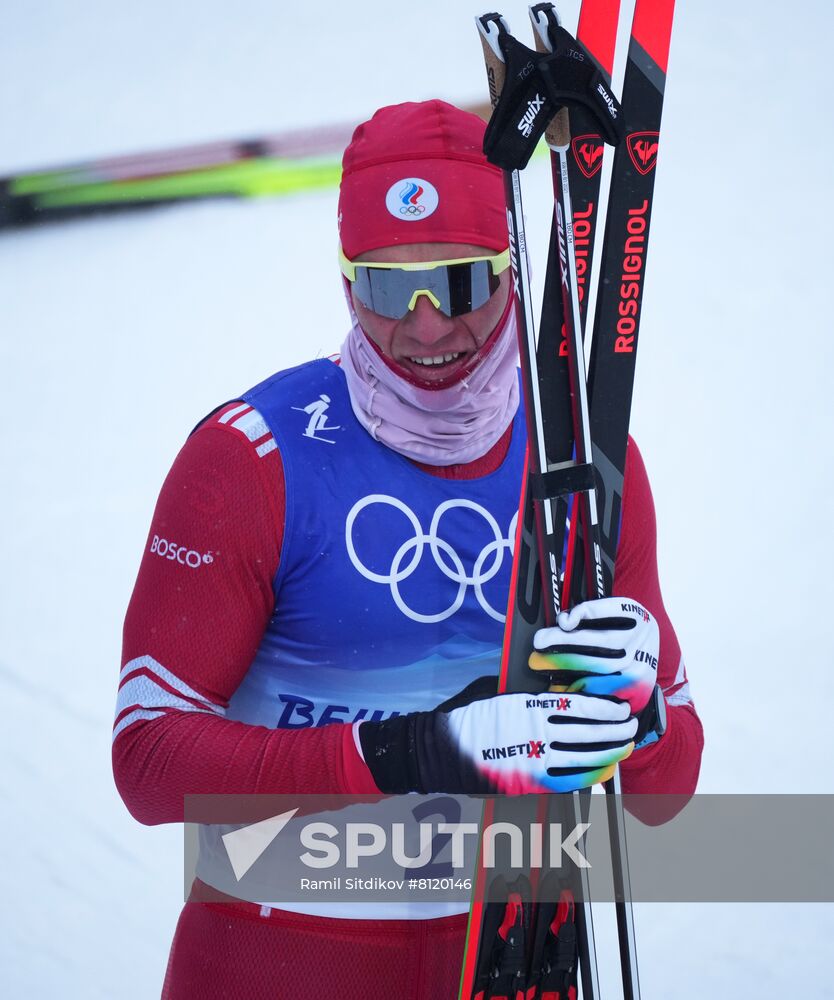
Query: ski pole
{"x": 546, "y": 25}
{"x": 549, "y": 531}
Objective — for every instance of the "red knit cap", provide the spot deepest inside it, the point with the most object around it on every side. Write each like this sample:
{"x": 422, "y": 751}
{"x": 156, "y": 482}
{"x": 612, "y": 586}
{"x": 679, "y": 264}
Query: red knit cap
{"x": 416, "y": 173}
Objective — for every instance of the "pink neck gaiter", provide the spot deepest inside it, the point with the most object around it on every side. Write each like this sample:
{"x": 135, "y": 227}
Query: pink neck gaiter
{"x": 442, "y": 426}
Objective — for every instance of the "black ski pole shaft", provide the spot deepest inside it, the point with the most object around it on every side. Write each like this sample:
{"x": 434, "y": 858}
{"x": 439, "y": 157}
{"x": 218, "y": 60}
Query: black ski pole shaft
{"x": 541, "y": 607}
{"x": 545, "y": 23}
{"x": 491, "y": 26}
{"x": 557, "y": 136}
{"x": 568, "y": 322}
{"x": 597, "y": 35}
{"x": 549, "y": 528}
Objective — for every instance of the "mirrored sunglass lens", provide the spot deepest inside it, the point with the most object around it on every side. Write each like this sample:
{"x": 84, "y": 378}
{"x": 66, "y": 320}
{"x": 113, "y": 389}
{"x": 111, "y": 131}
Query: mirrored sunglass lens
{"x": 470, "y": 285}
{"x": 459, "y": 288}
{"x": 393, "y": 290}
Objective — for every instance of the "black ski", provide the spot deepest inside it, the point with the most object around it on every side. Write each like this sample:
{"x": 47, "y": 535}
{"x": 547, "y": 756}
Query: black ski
{"x": 611, "y": 384}
{"x": 558, "y": 466}
{"x": 614, "y": 347}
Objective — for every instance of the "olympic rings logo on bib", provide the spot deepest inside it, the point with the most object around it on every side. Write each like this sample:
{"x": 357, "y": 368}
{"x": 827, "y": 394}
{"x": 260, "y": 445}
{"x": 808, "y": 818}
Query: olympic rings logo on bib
{"x": 448, "y": 562}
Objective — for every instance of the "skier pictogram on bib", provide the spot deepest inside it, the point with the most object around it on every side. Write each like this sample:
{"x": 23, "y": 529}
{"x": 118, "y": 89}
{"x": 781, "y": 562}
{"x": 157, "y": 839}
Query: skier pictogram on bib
{"x": 318, "y": 419}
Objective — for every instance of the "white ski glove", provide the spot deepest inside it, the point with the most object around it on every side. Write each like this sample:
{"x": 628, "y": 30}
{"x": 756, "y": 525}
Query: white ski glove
{"x": 606, "y": 647}
{"x": 512, "y": 743}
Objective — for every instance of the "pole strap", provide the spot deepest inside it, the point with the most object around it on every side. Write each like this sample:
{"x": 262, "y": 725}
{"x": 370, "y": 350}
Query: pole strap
{"x": 562, "y": 482}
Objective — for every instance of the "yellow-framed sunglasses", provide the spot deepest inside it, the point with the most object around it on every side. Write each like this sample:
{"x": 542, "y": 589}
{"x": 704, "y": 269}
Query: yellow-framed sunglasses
{"x": 454, "y": 287}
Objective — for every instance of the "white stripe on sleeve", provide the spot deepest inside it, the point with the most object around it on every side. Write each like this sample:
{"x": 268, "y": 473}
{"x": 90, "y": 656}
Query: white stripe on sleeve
{"x": 233, "y": 413}
{"x": 252, "y": 424}
{"x": 133, "y": 717}
{"x": 151, "y": 698}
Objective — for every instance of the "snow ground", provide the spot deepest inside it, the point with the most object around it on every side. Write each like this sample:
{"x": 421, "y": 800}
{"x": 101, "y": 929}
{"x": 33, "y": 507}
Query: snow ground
{"x": 119, "y": 333}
